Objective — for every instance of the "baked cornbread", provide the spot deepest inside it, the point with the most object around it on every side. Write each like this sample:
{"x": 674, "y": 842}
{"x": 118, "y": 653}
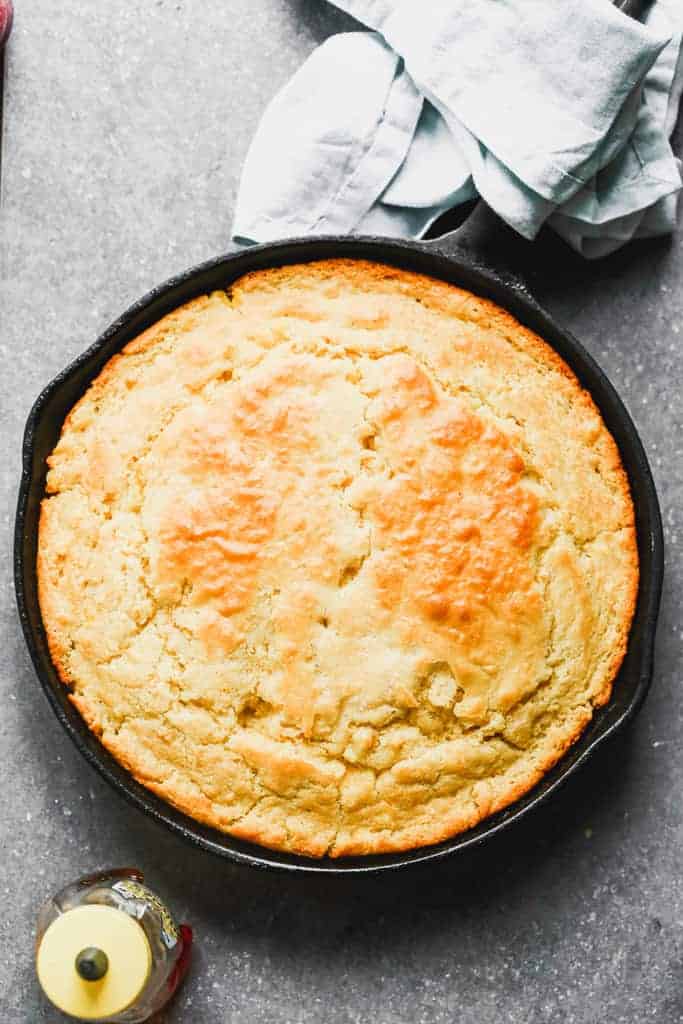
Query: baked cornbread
{"x": 340, "y": 560}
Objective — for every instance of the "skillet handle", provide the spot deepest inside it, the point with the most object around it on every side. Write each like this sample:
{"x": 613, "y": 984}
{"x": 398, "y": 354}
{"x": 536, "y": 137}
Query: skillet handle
{"x": 488, "y": 243}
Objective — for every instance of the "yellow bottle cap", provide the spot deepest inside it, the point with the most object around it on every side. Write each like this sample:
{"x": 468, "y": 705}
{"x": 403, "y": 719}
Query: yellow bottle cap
{"x": 129, "y": 960}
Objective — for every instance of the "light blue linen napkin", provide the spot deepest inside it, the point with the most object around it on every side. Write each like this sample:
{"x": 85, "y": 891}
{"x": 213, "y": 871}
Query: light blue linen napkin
{"x": 551, "y": 110}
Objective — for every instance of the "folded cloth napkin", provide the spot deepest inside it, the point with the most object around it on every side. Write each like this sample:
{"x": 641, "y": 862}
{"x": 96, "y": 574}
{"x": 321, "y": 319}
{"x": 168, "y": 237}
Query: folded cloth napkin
{"x": 551, "y": 110}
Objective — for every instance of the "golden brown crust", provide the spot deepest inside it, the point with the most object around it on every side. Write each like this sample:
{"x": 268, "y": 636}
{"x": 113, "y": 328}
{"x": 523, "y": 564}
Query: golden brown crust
{"x": 340, "y": 562}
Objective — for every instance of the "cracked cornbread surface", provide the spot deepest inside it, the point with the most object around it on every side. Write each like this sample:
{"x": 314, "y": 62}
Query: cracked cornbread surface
{"x": 340, "y": 561}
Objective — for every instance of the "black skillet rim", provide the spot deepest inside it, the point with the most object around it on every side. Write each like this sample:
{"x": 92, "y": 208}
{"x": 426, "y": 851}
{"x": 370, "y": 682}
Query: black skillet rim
{"x": 456, "y": 267}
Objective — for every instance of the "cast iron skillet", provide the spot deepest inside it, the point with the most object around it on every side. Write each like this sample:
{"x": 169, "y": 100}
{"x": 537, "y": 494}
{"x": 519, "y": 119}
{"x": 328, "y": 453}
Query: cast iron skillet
{"x": 450, "y": 260}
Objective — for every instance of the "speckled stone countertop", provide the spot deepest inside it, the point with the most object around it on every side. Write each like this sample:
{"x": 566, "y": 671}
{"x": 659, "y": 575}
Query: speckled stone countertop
{"x": 126, "y": 127}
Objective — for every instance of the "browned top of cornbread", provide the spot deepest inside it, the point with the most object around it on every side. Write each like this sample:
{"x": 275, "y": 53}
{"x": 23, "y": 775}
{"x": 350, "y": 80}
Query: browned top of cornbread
{"x": 339, "y": 561}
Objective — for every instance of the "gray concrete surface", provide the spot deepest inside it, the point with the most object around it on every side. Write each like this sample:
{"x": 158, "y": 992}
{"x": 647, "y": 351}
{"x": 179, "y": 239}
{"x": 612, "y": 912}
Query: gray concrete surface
{"x": 126, "y": 127}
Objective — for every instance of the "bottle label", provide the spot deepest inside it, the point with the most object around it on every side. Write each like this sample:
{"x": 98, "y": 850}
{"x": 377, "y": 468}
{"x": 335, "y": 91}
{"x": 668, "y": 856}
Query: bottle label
{"x": 135, "y": 891}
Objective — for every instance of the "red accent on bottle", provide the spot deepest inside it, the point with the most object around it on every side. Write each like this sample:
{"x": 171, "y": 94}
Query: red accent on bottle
{"x": 6, "y": 18}
{"x": 183, "y": 963}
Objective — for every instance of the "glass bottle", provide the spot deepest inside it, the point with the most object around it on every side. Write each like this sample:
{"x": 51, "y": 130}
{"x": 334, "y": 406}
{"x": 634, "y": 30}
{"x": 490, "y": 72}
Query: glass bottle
{"x": 108, "y": 949}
